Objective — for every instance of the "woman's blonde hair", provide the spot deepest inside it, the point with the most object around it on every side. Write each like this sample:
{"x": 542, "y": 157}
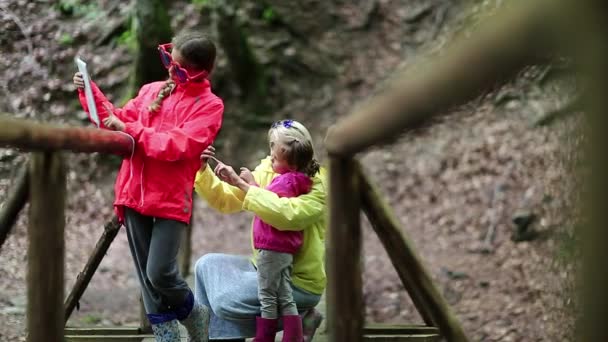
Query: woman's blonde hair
{"x": 297, "y": 145}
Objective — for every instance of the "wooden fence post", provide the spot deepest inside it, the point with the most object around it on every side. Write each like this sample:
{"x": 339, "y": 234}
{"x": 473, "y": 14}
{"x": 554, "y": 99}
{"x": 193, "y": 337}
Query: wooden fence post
{"x": 345, "y": 294}
{"x": 589, "y": 43}
{"x": 14, "y": 203}
{"x": 144, "y": 322}
{"x": 46, "y": 250}
{"x": 185, "y": 252}
{"x": 426, "y": 297}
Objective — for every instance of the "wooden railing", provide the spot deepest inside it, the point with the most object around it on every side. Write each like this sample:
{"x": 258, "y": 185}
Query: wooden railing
{"x": 42, "y": 182}
{"x": 48, "y": 253}
{"x": 498, "y": 50}
{"x": 524, "y": 33}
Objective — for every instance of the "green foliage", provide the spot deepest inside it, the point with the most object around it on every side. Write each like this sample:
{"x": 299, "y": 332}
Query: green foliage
{"x": 66, "y": 39}
{"x": 78, "y": 8}
{"x": 269, "y": 15}
{"x": 203, "y": 3}
{"x": 91, "y": 319}
{"x": 568, "y": 249}
{"x": 127, "y": 38}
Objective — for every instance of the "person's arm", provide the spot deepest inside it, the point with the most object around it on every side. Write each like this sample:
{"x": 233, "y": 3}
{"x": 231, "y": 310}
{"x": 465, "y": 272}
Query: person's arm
{"x": 287, "y": 213}
{"x": 184, "y": 142}
{"x": 220, "y": 195}
{"x": 128, "y": 113}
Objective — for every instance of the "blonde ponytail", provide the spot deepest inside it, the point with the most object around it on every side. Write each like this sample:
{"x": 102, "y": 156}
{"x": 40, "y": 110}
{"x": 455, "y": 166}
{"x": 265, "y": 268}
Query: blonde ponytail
{"x": 164, "y": 92}
{"x": 312, "y": 168}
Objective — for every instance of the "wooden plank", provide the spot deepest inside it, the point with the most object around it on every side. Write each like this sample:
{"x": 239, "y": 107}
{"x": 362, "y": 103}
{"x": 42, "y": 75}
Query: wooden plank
{"x": 35, "y": 136}
{"x": 397, "y": 329}
{"x": 107, "y": 338}
{"x": 388, "y": 338}
{"x": 82, "y": 281}
{"x": 402, "y": 338}
{"x": 416, "y": 279}
{"x": 46, "y": 251}
{"x": 344, "y": 292}
{"x": 108, "y": 331}
{"x": 14, "y": 203}
{"x": 498, "y": 49}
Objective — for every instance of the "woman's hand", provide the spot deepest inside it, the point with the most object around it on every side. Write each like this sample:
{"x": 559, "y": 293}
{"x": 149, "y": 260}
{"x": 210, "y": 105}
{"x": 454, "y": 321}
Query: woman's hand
{"x": 247, "y": 176}
{"x": 114, "y": 123}
{"x": 78, "y": 80}
{"x": 209, "y": 152}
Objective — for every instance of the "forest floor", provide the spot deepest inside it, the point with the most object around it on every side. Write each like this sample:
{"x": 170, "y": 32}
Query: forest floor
{"x": 451, "y": 184}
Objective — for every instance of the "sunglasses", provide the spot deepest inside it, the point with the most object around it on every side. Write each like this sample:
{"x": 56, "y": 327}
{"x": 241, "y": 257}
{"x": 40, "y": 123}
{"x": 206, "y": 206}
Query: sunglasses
{"x": 180, "y": 73}
{"x": 284, "y": 123}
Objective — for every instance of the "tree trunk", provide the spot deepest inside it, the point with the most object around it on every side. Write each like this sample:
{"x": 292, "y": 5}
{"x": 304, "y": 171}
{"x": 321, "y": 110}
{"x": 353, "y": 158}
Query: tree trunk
{"x": 244, "y": 66}
{"x": 152, "y": 27}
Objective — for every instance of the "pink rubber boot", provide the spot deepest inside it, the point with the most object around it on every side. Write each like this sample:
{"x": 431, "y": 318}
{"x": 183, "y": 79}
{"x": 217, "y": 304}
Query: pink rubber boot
{"x": 292, "y": 329}
{"x": 265, "y": 329}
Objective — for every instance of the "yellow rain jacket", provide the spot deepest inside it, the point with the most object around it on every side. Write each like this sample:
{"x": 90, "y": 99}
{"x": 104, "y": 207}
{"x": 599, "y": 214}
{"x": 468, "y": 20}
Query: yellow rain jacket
{"x": 305, "y": 213}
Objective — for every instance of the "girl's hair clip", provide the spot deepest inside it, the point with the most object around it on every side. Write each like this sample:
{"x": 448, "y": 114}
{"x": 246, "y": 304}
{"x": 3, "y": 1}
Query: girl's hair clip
{"x": 285, "y": 123}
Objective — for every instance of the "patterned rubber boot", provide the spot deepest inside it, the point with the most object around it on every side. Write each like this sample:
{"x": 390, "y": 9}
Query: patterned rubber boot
{"x": 166, "y": 331}
{"x": 310, "y": 323}
{"x": 197, "y": 324}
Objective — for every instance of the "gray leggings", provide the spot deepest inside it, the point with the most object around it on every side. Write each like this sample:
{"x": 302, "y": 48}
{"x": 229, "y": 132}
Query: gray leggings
{"x": 274, "y": 284}
{"x": 154, "y": 244}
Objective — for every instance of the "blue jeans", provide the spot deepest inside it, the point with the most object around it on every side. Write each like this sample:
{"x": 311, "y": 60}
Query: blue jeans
{"x": 228, "y": 285}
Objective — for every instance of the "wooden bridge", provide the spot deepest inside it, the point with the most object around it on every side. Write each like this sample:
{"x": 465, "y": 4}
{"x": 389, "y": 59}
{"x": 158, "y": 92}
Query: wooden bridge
{"x": 499, "y": 48}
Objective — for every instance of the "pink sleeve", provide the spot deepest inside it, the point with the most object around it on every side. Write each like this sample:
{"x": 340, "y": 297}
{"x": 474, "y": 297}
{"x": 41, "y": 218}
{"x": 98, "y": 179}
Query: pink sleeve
{"x": 128, "y": 113}
{"x": 284, "y": 186}
{"x": 184, "y": 142}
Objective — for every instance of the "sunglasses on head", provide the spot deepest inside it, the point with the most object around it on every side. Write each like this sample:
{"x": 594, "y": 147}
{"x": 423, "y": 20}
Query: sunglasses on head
{"x": 180, "y": 73}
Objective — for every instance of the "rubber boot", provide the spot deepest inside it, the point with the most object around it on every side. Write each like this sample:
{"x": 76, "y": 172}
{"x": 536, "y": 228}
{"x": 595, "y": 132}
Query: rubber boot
{"x": 310, "y": 323}
{"x": 265, "y": 329}
{"x": 292, "y": 329}
{"x": 166, "y": 331}
{"x": 197, "y": 323}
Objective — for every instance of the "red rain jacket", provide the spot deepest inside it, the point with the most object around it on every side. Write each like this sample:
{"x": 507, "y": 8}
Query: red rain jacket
{"x": 157, "y": 180}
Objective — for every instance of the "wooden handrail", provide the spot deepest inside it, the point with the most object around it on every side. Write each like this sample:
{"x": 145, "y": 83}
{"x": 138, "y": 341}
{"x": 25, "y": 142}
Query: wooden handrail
{"x": 30, "y": 135}
{"x": 497, "y": 50}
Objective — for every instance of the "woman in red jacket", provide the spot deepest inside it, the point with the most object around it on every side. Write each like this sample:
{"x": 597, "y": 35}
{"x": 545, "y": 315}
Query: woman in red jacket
{"x": 171, "y": 124}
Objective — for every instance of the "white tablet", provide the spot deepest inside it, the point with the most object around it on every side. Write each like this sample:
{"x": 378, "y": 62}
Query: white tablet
{"x": 82, "y": 68}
